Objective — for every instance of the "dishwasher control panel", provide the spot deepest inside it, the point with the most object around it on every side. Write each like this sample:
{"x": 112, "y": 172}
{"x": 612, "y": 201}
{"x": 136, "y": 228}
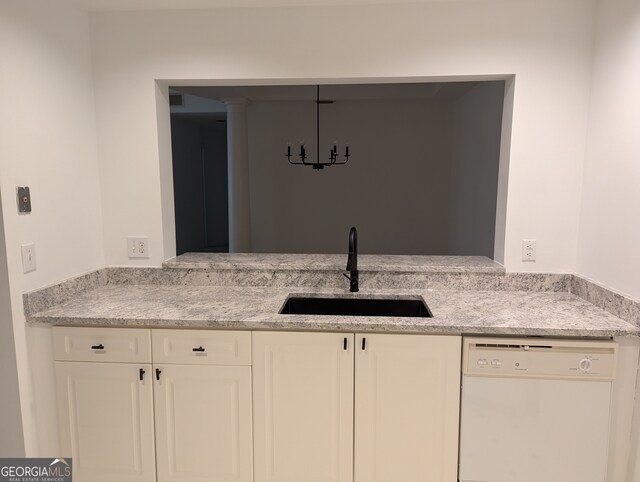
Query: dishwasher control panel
{"x": 539, "y": 358}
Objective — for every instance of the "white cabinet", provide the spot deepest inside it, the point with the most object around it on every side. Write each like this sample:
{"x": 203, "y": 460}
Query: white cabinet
{"x": 119, "y": 345}
{"x": 203, "y": 419}
{"x": 262, "y": 406}
{"x": 105, "y": 403}
{"x": 407, "y": 391}
{"x": 202, "y": 347}
{"x": 303, "y": 407}
{"x": 203, "y": 423}
{"x": 106, "y": 420}
{"x": 406, "y": 407}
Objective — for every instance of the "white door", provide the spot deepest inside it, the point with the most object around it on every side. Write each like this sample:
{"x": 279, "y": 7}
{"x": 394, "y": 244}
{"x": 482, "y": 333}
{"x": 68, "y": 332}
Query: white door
{"x": 303, "y": 407}
{"x": 407, "y": 399}
{"x": 106, "y": 420}
{"x": 203, "y": 423}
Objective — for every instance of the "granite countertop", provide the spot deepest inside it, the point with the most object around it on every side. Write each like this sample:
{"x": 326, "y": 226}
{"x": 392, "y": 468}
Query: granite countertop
{"x": 335, "y": 262}
{"x": 232, "y": 307}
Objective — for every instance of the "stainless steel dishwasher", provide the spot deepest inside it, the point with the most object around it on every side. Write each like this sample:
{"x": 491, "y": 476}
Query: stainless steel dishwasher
{"x": 535, "y": 409}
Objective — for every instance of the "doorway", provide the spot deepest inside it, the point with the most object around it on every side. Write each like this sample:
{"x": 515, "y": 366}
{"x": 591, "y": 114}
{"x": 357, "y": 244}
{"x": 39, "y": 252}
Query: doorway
{"x": 199, "y": 156}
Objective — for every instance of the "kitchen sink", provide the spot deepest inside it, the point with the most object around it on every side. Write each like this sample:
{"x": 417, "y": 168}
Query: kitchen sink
{"x": 406, "y": 307}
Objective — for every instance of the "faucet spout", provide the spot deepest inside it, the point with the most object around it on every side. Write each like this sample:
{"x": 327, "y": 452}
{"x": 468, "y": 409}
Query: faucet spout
{"x": 352, "y": 261}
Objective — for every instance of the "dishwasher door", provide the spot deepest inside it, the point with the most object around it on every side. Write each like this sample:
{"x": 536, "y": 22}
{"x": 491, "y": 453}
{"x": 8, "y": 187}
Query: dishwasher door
{"x": 535, "y": 413}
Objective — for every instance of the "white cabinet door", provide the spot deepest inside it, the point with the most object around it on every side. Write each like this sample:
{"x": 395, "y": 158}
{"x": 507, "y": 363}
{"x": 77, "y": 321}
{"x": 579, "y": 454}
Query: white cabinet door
{"x": 203, "y": 423}
{"x": 106, "y": 420}
{"x": 407, "y": 399}
{"x": 303, "y": 407}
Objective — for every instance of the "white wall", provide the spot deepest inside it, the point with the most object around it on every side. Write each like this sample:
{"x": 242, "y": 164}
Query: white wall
{"x": 474, "y": 176}
{"x": 608, "y": 249}
{"x": 48, "y": 142}
{"x": 11, "y": 440}
{"x": 395, "y": 189}
{"x": 546, "y": 44}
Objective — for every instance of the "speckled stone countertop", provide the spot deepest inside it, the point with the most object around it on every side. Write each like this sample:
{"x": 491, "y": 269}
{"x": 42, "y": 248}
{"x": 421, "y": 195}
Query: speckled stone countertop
{"x": 335, "y": 262}
{"x": 515, "y": 313}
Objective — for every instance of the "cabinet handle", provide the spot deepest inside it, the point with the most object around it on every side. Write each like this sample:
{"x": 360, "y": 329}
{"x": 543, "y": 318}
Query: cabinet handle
{"x": 364, "y": 343}
{"x": 142, "y": 372}
{"x": 97, "y": 347}
{"x": 200, "y": 349}
{"x": 158, "y": 372}
{"x": 344, "y": 343}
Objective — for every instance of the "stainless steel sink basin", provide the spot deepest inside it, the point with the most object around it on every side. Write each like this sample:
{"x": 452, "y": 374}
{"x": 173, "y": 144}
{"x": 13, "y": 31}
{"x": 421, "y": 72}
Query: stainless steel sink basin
{"x": 405, "y": 307}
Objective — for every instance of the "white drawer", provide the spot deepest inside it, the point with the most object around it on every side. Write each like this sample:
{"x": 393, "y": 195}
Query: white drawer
{"x": 131, "y": 345}
{"x": 202, "y": 347}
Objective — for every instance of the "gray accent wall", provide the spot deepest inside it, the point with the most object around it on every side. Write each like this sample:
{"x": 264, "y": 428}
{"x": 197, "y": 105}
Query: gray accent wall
{"x": 422, "y": 180}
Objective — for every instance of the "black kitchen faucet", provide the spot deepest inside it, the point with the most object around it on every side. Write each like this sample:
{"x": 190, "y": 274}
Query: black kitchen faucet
{"x": 352, "y": 262}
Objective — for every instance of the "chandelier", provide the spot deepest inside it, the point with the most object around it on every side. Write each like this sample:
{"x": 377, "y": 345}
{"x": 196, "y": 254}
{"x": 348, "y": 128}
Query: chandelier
{"x": 333, "y": 152}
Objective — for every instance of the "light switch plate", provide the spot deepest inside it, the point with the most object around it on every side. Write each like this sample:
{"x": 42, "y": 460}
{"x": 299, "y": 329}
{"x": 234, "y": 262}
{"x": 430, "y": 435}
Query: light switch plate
{"x": 138, "y": 247}
{"x": 28, "y": 258}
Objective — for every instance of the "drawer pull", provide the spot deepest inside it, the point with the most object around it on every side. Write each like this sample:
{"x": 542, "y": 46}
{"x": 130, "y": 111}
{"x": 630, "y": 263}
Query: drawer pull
{"x": 142, "y": 372}
{"x": 199, "y": 349}
{"x": 158, "y": 372}
{"x": 97, "y": 347}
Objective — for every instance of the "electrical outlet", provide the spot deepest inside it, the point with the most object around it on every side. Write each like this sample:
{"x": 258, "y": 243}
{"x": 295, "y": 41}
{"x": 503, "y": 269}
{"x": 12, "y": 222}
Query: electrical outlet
{"x": 138, "y": 247}
{"x": 28, "y": 258}
{"x": 528, "y": 250}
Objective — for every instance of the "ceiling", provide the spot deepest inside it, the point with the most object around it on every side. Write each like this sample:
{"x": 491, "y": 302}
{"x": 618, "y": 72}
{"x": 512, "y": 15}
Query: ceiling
{"x": 114, "y": 5}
